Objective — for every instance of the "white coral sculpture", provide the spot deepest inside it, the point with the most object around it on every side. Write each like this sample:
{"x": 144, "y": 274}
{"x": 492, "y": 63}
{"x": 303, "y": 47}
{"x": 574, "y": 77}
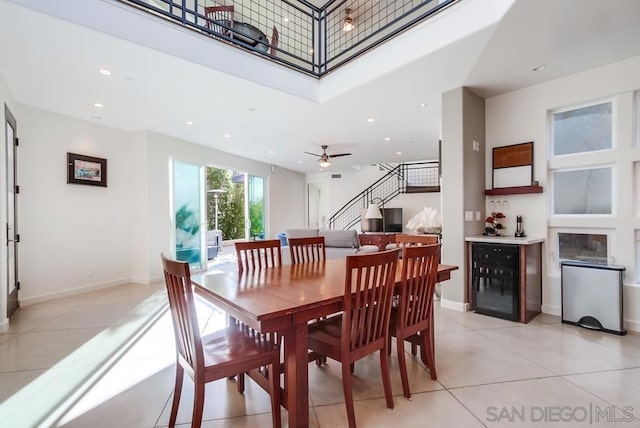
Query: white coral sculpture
{"x": 426, "y": 221}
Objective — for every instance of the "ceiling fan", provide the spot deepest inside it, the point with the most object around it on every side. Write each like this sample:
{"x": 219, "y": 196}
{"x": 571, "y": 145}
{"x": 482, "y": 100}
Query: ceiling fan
{"x": 324, "y": 157}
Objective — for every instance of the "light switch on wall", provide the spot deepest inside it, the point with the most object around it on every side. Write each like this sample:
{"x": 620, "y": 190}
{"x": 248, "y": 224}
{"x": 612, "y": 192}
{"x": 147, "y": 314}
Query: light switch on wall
{"x": 468, "y": 216}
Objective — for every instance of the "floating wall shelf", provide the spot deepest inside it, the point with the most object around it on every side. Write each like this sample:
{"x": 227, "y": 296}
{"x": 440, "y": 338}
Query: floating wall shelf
{"x": 518, "y": 190}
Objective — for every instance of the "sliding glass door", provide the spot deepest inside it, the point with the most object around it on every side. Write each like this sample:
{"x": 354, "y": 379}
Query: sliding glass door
{"x": 255, "y": 207}
{"x": 188, "y": 213}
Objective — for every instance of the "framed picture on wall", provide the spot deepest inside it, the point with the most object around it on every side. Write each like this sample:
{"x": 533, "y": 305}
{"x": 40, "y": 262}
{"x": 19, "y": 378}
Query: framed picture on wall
{"x": 88, "y": 170}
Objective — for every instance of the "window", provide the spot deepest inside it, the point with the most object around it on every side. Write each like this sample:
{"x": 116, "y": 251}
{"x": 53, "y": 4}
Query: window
{"x": 585, "y": 191}
{"x": 582, "y": 130}
{"x": 583, "y": 247}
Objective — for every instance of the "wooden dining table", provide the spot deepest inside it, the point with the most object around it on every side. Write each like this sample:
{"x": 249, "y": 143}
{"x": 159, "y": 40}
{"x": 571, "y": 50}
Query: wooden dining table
{"x": 283, "y": 299}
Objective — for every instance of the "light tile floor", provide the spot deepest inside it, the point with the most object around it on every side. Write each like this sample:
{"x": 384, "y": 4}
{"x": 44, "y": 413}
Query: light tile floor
{"x": 106, "y": 359}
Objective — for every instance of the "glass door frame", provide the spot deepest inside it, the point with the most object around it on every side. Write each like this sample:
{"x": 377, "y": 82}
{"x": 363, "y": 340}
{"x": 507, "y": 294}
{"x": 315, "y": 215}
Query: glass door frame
{"x": 11, "y": 226}
{"x": 201, "y": 263}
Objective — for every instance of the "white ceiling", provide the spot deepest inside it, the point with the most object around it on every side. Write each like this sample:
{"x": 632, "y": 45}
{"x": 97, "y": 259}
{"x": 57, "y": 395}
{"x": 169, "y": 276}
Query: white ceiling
{"x": 159, "y": 83}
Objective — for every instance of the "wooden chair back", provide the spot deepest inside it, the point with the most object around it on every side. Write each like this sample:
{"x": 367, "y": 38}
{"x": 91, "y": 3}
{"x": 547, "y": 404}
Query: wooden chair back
{"x": 419, "y": 275}
{"x": 274, "y": 41}
{"x": 258, "y": 254}
{"x": 305, "y": 250}
{"x": 183, "y": 314}
{"x": 220, "y": 19}
{"x": 368, "y": 294}
{"x": 405, "y": 240}
{"x": 413, "y": 319}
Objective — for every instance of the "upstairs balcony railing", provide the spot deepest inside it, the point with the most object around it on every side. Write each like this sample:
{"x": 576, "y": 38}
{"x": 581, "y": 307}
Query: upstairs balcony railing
{"x": 313, "y": 40}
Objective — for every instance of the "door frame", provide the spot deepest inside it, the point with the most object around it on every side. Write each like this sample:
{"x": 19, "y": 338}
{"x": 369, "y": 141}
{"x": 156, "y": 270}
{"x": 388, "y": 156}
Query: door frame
{"x": 12, "y": 297}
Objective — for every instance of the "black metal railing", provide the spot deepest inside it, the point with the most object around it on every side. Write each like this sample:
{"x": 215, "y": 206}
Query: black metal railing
{"x": 410, "y": 177}
{"x": 298, "y": 34}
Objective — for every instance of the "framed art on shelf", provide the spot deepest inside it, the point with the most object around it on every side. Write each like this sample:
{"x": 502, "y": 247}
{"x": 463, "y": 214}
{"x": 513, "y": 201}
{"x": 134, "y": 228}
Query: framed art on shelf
{"x": 88, "y": 170}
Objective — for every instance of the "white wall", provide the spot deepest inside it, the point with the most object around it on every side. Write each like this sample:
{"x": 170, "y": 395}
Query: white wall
{"x": 522, "y": 116}
{"x": 463, "y": 122}
{"x": 336, "y": 192}
{"x": 72, "y": 236}
{"x": 77, "y": 238}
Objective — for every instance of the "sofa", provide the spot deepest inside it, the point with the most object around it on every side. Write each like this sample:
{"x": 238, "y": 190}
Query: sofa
{"x": 338, "y": 243}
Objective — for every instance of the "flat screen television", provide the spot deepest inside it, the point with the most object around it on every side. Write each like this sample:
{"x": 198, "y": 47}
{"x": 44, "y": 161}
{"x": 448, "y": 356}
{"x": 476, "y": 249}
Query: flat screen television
{"x": 392, "y": 221}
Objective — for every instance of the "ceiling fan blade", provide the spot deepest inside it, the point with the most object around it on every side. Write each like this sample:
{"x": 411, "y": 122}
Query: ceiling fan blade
{"x": 309, "y": 153}
{"x": 339, "y": 154}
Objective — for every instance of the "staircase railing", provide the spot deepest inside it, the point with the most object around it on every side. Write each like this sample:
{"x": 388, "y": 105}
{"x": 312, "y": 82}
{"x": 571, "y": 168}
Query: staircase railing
{"x": 408, "y": 177}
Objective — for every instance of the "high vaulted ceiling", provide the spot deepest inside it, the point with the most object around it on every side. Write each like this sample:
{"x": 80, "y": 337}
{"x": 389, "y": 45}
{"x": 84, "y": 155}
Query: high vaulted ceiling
{"x": 163, "y": 75}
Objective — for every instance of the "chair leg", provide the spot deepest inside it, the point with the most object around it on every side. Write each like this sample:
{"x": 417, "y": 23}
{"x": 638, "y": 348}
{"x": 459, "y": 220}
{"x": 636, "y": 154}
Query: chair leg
{"x": 177, "y": 391}
{"x": 402, "y": 364}
{"x": 414, "y": 349}
{"x": 348, "y": 394}
{"x": 198, "y": 404}
{"x": 274, "y": 377}
{"x": 386, "y": 378}
{"x": 240, "y": 381}
{"x": 428, "y": 353}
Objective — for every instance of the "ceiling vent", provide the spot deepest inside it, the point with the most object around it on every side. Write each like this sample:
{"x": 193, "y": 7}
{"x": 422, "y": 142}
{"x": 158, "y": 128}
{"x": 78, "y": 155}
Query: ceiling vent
{"x": 336, "y": 175}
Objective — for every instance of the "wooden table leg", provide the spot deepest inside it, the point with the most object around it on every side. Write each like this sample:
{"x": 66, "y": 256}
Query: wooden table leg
{"x": 297, "y": 374}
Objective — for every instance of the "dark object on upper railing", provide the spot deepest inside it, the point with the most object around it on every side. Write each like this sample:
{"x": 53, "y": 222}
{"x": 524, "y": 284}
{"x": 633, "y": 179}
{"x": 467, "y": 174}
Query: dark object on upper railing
{"x": 250, "y": 35}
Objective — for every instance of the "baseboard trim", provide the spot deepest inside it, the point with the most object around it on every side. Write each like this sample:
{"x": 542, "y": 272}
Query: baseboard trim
{"x": 4, "y": 326}
{"x": 632, "y": 325}
{"x": 456, "y": 306}
{"x": 552, "y": 310}
{"x": 72, "y": 291}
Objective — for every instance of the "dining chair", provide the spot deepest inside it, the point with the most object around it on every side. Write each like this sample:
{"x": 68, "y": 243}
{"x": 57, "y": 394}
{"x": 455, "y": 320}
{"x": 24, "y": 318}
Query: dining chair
{"x": 220, "y": 19}
{"x": 405, "y": 240}
{"x": 411, "y": 320}
{"x": 258, "y": 254}
{"x": 214, "y": 356}
{"x": 275, "y": 37}
{"x": 363, "y": 326}
{"x": 305, "y": 250}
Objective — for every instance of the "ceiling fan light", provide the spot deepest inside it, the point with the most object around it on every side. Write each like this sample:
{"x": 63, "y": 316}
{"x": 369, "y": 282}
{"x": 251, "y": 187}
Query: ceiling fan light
{"x": 324, "y": 163}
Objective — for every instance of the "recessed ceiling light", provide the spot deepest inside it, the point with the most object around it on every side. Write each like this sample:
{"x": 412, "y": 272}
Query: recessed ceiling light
{"x": 311, "y": 50}
{"x": 422, "y": 105}
{"x": 105, "y": 72}
{"x": 398, "y": 153}
{"x": 371, "y": 120}
{"x": 387, "y": 138}
{"x": 227, "y": 135}
{"x": 285, "y": 19}
{"x": 540, "y": 67}
{"x": 98, "y": 105}
{"x": 189, "y": 122}
{"x": 270, "y": 152}
{"x": 300, "y": 161}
